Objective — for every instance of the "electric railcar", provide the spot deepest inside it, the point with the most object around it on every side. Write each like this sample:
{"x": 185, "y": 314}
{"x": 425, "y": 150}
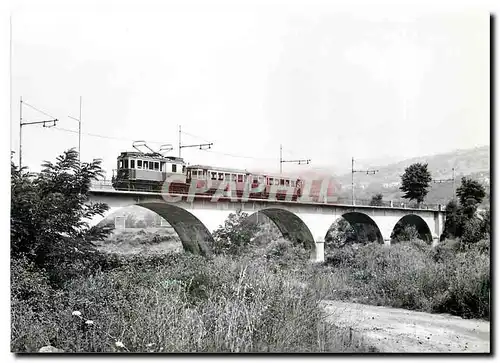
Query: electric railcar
{"x": 148, "y": 172}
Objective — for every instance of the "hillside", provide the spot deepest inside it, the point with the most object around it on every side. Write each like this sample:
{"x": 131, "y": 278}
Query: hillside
{"x": 474, "y": 163}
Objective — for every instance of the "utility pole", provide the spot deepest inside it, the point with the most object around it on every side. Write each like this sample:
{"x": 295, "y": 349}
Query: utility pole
{"x": 21, "y": 124}
{"x": 369, "y": 171}
{"x": 299, "y": 162}
{"x": 179, "y": 140}
{"x": 20, "y": 133}
{"x": 79, "y": 129}
{"x": 201, "y": 146}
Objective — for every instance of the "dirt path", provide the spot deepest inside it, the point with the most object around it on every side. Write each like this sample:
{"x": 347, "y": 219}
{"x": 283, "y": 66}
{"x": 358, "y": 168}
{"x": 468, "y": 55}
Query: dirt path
{"x": 404, "y": 331}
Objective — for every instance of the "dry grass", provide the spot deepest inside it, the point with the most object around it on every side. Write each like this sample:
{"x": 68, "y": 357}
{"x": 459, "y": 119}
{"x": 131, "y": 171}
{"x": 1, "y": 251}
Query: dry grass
{"x": 411, "y": 275}
{"x": 185, "y": 303}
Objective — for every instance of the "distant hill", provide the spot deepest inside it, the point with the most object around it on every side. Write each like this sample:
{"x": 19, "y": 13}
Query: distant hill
{"x": 474, "y": 163}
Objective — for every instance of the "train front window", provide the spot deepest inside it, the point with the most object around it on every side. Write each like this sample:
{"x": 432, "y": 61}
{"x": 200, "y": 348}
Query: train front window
{"x": 157, "y": 166}
{"x": 120, "y": 164}
{"x": 174, "y": 168}
{"x": 125, "y": 164}
{"x": 184, "y": 168}
{"x": 194, "y": 174}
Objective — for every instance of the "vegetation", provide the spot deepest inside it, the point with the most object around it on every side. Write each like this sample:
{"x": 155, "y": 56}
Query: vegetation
{"x": 377, "y": 200}
{"x": 67, "y": 294}
{"x": 462, "y": 219}
{"x": 415, "y": 182}
{"x": 50, "y": 214}
{"x": 257, "y": 293}
{"x": 411, "y": 275}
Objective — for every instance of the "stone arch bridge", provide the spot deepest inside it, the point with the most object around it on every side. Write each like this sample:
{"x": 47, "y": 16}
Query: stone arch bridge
{"x": 194, "y": 219}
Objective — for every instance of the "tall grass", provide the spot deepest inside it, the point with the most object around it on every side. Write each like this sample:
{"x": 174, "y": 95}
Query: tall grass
{"x": 184, "y": 303}
{"x": 411, "y": 275}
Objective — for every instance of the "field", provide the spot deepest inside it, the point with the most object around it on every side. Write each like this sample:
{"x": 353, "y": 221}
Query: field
{"x": 268, "y": 297}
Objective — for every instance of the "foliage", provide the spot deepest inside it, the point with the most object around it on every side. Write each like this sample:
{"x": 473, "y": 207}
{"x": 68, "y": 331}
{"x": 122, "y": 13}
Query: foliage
{"x": 377, "y": 200}
{"x": 50, "y": 214}
{"x": 404, "y": 233}
{"x": 340, "y": 233}
{"x": 235, "y": 235}
{"x": 185, "y": 303}
{"x": 415, "y": 182}
{"x": 462, "y": 220}
{"x": 470, "y": 193}
{"x": 413, "y": 275}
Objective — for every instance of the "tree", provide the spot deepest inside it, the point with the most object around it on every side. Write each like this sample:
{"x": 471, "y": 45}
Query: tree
{"x": 235, "y": 235}
{"x": 130, "y": 220}
{"x": 453, "y": 222}
{"x": 149, "y": 219}
{"x": 341, "y": 233}
{"x": 415, "y": 182}
{"x": 50, "y": 213}
{"x": 470, "y": 193}
{"x": 377, "y": 200}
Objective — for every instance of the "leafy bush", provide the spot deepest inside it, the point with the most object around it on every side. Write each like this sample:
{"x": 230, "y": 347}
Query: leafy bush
{"x": 235, "y": 236}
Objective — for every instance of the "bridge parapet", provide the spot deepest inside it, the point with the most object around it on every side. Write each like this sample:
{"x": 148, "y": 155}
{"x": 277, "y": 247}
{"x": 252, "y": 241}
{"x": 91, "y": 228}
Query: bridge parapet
{"x": 106, "y": 185}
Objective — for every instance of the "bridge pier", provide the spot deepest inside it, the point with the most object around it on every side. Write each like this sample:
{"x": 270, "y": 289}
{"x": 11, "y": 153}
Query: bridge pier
{"x": 318, "y": 254}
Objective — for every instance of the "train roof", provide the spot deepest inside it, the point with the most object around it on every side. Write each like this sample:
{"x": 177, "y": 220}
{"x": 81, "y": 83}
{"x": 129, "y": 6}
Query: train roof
{"x": 229, "y": 170}
{"x": 240, "y": 171}
{"x": 151, "y": 156}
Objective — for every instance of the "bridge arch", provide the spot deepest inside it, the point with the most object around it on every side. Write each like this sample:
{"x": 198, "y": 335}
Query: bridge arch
{"x": 418, "y": 222}
{"x": 291, "y": 226}
{"x": 363, "y": 225}
{"x": 194, "y": 235}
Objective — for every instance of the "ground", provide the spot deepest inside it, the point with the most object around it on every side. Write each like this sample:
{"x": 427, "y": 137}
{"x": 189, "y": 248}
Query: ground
{"x": 405, "y": 331}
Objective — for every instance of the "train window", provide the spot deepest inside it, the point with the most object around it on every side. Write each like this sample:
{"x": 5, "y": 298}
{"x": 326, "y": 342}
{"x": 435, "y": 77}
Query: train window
{"x": 233, "y": 177}
{"x": 287, "y": 183}
{"x": 132, "y": 164}
{"x": 125, "y": 164}
{"x": 282, "y": 182}
{"x": 139, "y": 164}
{"x": 255, "y": 180}
{"x": 162, "y": 166}
{"x": 227, "y": 177}
{"x": 276, "y": 182}
{"x": 214, "y": 175}
{"x": 221, "y": 176}
{"x": 271, "y": 181}
{"x": 194, "y": 174}
{"x": 292, "y": 183}
{"x": 245, "y": 178}
{"x": 184, "y": 168}
{"x": 174, "y": 168}
{"x": 240, "y": 178}
{"x": 120, "y": 164}
{"x": 150, "y": 167}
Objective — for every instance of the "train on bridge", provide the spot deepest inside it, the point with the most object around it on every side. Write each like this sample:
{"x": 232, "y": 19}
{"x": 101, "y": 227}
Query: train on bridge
{"x": 148, "y": 171}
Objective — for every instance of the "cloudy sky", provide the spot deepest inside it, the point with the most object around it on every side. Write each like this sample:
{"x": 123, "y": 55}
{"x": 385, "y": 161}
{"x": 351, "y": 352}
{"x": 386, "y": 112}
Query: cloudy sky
{"x": 328, "y": 85}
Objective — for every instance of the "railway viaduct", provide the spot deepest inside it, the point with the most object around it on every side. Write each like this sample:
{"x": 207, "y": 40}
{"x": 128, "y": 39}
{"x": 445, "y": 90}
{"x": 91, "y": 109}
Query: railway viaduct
{"x": 195, "y": 218}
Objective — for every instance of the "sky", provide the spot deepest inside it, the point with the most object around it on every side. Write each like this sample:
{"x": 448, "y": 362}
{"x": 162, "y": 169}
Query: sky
{"x": 328, "y": 85}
